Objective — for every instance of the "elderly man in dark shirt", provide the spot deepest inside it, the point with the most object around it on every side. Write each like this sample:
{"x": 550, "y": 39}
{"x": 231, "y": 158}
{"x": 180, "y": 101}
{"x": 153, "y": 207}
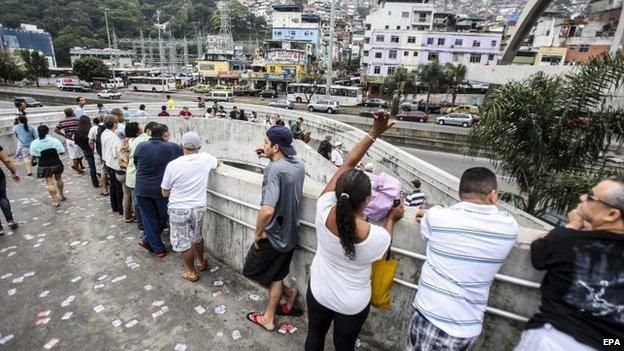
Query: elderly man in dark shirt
{"x": 151, "y": 158}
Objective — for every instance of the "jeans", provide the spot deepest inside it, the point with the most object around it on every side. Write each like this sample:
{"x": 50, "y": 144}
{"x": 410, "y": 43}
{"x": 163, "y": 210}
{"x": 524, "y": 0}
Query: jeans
{"x": 137, "y": 209}
{"x": 115, "y": 191}
{"x": 4, "y": 201}
{"x": 346, "y": 327}
{"x": 154, "y": 217}
{"x": 92, "y": 170}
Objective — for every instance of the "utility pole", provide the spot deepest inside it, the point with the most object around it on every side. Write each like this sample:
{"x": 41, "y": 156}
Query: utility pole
{"x": 160, "y": 27}
{"x": 330, "y": 53}
{"x": 107, "y": 30}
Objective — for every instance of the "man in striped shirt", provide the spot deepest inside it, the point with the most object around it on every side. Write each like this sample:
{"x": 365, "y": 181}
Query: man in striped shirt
{"x": 66, "y": 128}
{"x": 466, "y": 245}
{"x": 416, "y": 198}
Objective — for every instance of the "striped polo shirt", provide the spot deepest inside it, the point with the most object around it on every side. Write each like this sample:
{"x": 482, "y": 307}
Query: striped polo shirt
{"x": 466, "y": 245}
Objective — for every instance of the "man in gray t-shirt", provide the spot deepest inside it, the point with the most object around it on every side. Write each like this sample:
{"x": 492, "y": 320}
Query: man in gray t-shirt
{"x": 277, "y": 225}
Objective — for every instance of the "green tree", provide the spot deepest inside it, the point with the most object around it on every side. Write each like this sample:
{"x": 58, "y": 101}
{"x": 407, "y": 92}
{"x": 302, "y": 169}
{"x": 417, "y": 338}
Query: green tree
{"x": 87, "y": 68}
{"x": 454, "y": 78}
{"x": 9, "y": 70}
{"x": 550, "y": 132}
{"x": 36, "y": 65}
{"x": 433, "y": 77}
{"x": 397, "y": 84}
{"x": 314, "y": 78}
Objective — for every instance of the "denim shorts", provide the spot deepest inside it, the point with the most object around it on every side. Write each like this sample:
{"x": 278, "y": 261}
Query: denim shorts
{"x": 185, "y": 227}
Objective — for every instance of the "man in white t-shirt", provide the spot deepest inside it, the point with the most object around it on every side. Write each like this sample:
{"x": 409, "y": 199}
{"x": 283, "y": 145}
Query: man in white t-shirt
{"x": 185, "y": 183}
{"x": 336, "y": 155}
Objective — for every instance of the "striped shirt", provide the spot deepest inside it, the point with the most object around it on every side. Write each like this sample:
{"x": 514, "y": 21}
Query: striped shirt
{"x": 68, "y": 126}
{"x": 415, "y": 199}
{"x": 466, "y": 245}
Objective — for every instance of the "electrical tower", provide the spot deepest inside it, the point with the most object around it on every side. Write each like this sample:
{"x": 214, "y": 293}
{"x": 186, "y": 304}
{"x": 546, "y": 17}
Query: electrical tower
{"x": 226, "y": 27}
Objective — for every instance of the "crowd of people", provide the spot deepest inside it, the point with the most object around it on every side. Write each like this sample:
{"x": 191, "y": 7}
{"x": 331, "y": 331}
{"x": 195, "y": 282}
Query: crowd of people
{"x": 160, "y": 184}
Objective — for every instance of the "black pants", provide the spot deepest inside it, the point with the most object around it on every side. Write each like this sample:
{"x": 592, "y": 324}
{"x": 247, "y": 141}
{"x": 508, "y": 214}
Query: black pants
{"x": 346, "y": 327}
{"x": 115, "y": 191}
{"x": 4, "y": 201}
{"x": 92, "y": 170}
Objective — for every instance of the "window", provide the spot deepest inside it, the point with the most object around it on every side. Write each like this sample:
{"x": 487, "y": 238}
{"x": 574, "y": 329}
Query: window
{"x": 583, "y": 48}
{"x": 368, "y": 26}
{"x": 387, "y": 26}
{"x": 475, "y": 58}
{"x": 391, "y": 70}
{"x": 429, "y": 41}
{"x": 272, "y": 69}
{"x": 440, "y": 41}
{"x": 405, "y": 14}
{"x": 378, "y": 55}
{"x": 379, "y": 38}
{"x": 572, "y": 47}
{"x": 459, "y": 42}
{"x": 493, "y": 43}
{"x": 366, "y": 40}
{"x": 392, "y": 54}
{"x": 422, "y": 17}
{"x": 405, "y": 53}
{"x": 476, "y": 44}
{"x": 394, "y": 38}
{"x": 491, "y": 57}
{"x": 365, "y": 53}
{"x": 415, "y": 54}
{"x": 407, "y": 27}
{"x": 376, "y": 70}
{"x": 398, "y": 27}
{"x": 457, "y": 57}
{"x": 411, "y": 40}
{"x": 389, "y": 13}
{"x": 433, "y": 56}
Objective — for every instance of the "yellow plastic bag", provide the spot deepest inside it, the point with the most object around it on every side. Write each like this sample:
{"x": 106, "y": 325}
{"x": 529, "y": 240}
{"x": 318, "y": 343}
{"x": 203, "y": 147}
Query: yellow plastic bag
{"x": 381, "y": 281}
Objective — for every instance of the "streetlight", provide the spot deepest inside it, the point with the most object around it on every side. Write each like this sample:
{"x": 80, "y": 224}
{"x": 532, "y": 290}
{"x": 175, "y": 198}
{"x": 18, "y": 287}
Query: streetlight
{"x": 108, "y": 35}
{"x": 330, "y": 54}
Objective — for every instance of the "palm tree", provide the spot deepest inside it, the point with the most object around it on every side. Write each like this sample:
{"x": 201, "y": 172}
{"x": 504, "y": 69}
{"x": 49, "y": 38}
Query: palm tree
{"x": 550, "y": 132}
{"x": 433, "y": 76}
{"x": 454, "y": 78}
{"x": 397, "y": 84}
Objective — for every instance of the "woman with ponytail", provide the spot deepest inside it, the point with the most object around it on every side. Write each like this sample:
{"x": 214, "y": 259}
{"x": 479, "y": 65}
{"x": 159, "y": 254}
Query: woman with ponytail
{"x": 340, "y": 288}
{"x": 49, "y": 165}
{"x": 25, "y": 134}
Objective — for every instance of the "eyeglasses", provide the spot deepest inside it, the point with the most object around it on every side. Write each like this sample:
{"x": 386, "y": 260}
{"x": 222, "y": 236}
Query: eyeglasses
{"x": 592, "y": 197}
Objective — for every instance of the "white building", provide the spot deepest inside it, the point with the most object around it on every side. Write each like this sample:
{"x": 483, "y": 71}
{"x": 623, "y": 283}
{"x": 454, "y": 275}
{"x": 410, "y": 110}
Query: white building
{"x": 124, "y": 58}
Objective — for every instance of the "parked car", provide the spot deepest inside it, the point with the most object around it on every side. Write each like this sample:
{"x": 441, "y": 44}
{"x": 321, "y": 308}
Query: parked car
{"x": 329, "y": 106}
{"x": 368, "y": 114}
{"x": 412, "y": 116}
{"x": 201, "y": 88}
{"x": 246, "y": 91}
{"x": 376, "y": 103}
{"x": 222, "y": 95}
{"x": 109, "y": 94}
{"x": 458, "y": 119}
{"x": 554, "y": 219}
{"x": 28, "y": 100}
{"x": 282, "y": 104}
{"x": 472, "y": 109}
{"x": 433, "y": 107}
{"x": 268, "y": 93}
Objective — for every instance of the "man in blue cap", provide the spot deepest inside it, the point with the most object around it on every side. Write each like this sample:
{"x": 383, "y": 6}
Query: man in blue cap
{"x": 277, "y": 226}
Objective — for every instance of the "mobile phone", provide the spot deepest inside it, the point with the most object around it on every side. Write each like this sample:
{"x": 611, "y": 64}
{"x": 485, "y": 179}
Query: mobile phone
{"x": 396, "y": 203}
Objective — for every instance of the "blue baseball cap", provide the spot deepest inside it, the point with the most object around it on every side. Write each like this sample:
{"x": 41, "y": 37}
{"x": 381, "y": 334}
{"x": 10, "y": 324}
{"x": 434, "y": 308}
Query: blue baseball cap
{"x": 282, "y": 136}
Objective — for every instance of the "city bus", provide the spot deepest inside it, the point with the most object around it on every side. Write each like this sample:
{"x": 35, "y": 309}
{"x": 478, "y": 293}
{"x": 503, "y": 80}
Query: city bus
{"x": 153, "y": 84}
{"x": 346, "y": 96}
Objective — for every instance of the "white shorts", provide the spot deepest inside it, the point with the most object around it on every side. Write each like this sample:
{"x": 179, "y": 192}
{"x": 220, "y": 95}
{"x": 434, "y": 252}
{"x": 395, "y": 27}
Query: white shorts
{"x": 185, "y": 227}
{"x": 547, "y": 338}
{"x": 73, "y": 150}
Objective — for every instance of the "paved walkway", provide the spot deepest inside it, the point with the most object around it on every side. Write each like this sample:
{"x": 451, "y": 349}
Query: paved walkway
{"x": 74, "y": 275}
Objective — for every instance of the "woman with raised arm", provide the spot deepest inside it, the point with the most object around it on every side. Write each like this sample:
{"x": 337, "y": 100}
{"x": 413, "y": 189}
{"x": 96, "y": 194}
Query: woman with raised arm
{"x": 347, "y": 245}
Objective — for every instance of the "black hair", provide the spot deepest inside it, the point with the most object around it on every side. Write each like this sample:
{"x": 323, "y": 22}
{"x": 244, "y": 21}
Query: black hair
{"x": 78, "y": 98}
{"x": 132, "y": 130}
{"x": 168, "y": 96}
{"x": 141, "y": 107}
{"x": 149, "y": 126}
{"x": 81, "y": 137}
{"x": 96, "y": 121}
{"x": 209, "y": 110}
{"x": 477, "y": 180}
{"x": 416, "y": 183}
{"x": 69, "y": 112}
{"x": 23, "y": 120}
{"x": 163, "y": 107}
{"x": 43, "y": 131}
{"x": 352, "y": 189}
{"x": 99, "y": 104}
{"x": 159, "y": 131}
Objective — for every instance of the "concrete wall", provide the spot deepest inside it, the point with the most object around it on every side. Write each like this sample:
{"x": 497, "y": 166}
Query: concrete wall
{"x": 233, "y": 201}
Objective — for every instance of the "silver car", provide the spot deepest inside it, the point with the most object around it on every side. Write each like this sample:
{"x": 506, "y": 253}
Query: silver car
{"x": 282, "y": 104}
{"x": 329, "y": 106}
{"x": 457, "y": 119}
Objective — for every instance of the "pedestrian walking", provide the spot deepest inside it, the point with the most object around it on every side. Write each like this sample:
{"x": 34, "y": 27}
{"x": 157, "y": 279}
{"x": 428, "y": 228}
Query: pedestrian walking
{"x": 170, "y": 103}
{"x": 5, "y": 204}
{"x": 185, "y": 183}
{"x": 151, "y": 158}
{"x": 66, "y": 128}
{"x": 111, "y": 146}
{"x": 49, "y": 165}
{"x": 25, "y": 134}
{"x": 277, "y": 226}
{"x": 583, "y": 289}
{"x": 466, "y": 245}
{"x": 339, "y": 290}
{"x": 79, "y": 110}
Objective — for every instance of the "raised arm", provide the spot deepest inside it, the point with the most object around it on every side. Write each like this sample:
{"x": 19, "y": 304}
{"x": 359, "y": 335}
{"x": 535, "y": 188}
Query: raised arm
{"x": 381, "y": 123}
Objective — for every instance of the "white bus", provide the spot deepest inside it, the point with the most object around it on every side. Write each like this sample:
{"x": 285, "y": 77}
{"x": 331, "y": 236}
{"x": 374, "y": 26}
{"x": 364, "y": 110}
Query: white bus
{"x": 346, "y": 96}
{"x": 153, "y": 84}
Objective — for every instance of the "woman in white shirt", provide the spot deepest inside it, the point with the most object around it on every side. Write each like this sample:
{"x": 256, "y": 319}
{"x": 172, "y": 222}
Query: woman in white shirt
{"x": 347, "y": 245}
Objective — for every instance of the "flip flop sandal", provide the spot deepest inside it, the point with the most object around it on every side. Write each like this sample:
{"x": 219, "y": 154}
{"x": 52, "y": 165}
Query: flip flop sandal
{"x": 201, "y": 267}
{"x": 190, "y": 277}
{"x": 282, "y": 310}
{"x": 55, "y": 204}
{"x": 13, "y": 225}
{"x": 253, "y": 318}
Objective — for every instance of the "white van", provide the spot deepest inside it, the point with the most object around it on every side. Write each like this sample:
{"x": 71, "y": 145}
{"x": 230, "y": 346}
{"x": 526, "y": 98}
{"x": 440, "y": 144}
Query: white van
{"x": 220, "y": 95}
